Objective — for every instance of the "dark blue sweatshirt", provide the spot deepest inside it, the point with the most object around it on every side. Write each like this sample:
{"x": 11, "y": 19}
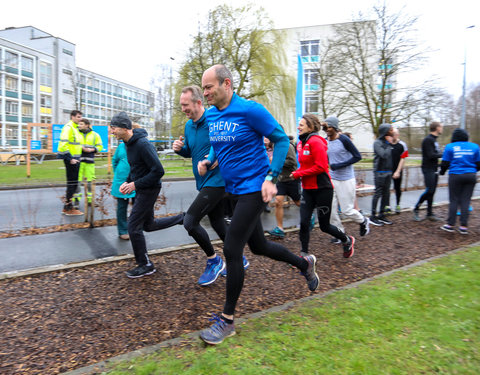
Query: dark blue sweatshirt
{"x": 145, "y": 167}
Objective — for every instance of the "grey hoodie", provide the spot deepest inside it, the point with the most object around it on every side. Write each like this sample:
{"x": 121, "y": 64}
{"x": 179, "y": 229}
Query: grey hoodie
{"x": 382, "y": 160}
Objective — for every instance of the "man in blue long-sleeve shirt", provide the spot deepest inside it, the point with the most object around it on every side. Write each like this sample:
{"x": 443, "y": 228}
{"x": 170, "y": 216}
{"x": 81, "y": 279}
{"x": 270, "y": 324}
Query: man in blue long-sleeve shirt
{"x": 211, "y": 188}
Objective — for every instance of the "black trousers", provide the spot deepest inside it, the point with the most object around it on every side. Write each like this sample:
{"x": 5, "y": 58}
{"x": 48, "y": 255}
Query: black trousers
{"x": 244, "y": 228}
{"x": 460, "y": 190}
{"x": 431, "y": 180}
{"x": 72, "y": 182}
{"x": 321, "y": 199}
{"x": 397, "y": 186}
{"x": 209, "y": 201}
{"x": 142, "y": 219}
{"x": 382, "y": 191}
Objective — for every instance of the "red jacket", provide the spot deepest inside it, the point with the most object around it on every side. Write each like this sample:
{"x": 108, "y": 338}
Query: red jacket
{"x": 313, "y": 163}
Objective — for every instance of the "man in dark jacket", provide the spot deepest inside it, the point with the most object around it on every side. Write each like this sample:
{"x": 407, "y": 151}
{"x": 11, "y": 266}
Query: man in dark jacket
{"x": 382, "y": 171}
{"x": 430, "y": 155}
{"x": 144, "y": 178}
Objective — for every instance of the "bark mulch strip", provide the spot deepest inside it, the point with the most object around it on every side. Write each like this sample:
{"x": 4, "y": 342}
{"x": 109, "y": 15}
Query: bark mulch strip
{"x": 56, "y": 322}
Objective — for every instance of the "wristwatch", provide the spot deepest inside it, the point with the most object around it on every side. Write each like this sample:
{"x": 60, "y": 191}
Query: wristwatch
{"x": 272, "y": 179}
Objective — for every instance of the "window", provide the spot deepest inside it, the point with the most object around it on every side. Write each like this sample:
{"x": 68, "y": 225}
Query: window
{"x": 11, "y": 108}
{"x": 45, "y": 101}
{"x": 27, "y": 87}
{"x": 82, "y": 79}
{"x": 45, "y": 74}
{"x": 311, "y": 79}
{"x": 311, "y": 103}
{"x": 67, "y": 71}
{"x": 69, "y": 92}
{"x": 102, "y": 86}
{"x": 45, "y": 120}
{"x": 11, "y": 84}
{"x": 109, "y": 87}
{"x": 309, "y": 48}
{"x": 27, "y": 64}
{"x": 96, "y": 84}
{"x": 27, "y": 110}
{"x": 11, "y": 59}
{"x": 67, "y": 52}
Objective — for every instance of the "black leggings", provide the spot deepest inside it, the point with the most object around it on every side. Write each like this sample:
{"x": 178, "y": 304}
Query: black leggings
{"x": 209, "y": 201}
{"x": 460, "y": 190}
{"x": 431, "y": 179}
{"x": 321, "y": 199}
{"x": 246, "y": 227}
{"x": 397, "y": 186}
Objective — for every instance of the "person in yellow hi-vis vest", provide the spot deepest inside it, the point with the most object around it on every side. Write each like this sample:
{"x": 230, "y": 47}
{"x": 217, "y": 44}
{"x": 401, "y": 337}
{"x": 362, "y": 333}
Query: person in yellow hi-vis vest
{"x": 91, "y": 144}
{"x": 70, "y": 150}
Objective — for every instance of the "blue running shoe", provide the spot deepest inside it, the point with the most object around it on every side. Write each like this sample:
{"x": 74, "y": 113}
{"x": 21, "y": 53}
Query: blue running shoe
{"x": 212, "y": 271}
{"x": 246, "y": 264}
{"x": 277, "y": 232}
{"x": 218, "y": 332}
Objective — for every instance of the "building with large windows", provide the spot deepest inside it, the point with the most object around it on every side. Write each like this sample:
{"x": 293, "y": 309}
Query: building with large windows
{"x": 40, "y": 83}
{"x": 308, "y": 42}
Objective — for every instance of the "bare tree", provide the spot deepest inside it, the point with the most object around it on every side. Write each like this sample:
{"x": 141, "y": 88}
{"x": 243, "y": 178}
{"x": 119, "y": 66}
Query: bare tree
{"x": 244, "y": 40}
{"x": 377, "y": 59}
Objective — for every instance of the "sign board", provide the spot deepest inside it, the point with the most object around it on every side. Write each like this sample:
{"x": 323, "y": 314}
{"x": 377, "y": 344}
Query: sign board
{"x": 35, "y": 145}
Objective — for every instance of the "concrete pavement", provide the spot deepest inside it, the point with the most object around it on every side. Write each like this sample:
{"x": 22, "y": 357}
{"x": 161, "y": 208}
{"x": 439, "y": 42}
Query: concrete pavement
{"x": 60, "y": 248}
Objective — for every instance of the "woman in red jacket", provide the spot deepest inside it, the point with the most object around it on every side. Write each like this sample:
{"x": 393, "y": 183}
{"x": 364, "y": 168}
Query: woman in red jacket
{"x": 317, "y": 186}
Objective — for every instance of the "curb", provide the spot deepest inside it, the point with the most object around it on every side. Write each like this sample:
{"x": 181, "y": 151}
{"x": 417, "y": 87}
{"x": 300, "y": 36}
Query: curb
{"x": 100, "y": 366}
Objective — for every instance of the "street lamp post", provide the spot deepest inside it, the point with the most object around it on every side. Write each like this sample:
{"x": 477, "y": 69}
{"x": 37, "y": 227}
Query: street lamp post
{"x": 462, "y": 120}
{"x": 171, "y": 105}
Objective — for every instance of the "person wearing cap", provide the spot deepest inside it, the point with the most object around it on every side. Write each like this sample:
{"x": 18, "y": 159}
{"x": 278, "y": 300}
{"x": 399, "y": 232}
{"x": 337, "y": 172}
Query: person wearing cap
{"x": 144, "y": 179}
{"x": 70, "y": 150}
{"x": 382, "y": 174}
{"x": 342, "y": 154}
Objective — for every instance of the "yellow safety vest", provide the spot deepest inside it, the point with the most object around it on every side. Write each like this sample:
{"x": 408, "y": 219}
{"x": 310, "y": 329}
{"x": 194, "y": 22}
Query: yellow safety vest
{"x": 70, "y": 141}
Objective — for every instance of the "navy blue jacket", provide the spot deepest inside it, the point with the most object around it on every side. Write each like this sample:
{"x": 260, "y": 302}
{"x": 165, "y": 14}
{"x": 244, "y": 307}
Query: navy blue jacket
{"x": 145, "y": 167}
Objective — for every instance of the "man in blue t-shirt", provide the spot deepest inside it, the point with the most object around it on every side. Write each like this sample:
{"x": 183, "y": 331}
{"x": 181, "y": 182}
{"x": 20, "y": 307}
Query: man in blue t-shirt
{"x": 211, "y": 188}
{"x": 236, "y": 130}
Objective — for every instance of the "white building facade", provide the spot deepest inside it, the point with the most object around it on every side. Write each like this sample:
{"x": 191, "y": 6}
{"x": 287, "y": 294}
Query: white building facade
{"x": 40, "y": 83}
{"x": 307, "y": 42}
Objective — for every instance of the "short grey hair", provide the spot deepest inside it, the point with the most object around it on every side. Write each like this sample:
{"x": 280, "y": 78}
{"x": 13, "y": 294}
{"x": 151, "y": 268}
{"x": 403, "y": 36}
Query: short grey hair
{"x": 222, "y": 72}
{"x": 196, "y": 91}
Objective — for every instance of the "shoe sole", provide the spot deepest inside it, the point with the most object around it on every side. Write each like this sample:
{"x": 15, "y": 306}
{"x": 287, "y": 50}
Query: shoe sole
{"x": 233, "y": 333}
{"x": 145, "y": 274}
{"x": 351, "y": 252}
{"x": 216, "y": 276}
{"x": 377, "y": 224}
{"x": 277, "y": 235}
{"x": 447, "y": 230}
{"x": 462, "y": 233}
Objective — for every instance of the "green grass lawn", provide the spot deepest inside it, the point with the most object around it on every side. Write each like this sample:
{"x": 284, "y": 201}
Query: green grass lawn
{"x": 53, "y": 171}
{"x": 424, "y": 320}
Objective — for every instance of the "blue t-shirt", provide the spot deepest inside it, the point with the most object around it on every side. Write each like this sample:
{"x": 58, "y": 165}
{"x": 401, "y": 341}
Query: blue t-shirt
{"x": 462, "y": 157}
{"x": 196, "y": 146}
{"x": 236, "y": 135}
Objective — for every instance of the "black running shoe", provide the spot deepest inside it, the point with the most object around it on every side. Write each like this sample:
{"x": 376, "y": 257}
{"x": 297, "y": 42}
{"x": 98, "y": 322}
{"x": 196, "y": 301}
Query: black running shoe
{"x": 375, "y": 221}
{"x": 364, "y": 227}
{"x": 140, "y": 271}
{"x": 383, "y": 219}
{"x": 348, "y": 247}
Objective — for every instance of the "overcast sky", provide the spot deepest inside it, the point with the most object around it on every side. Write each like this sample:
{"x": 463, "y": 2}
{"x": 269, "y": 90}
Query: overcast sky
{"x": 127, "y": 40}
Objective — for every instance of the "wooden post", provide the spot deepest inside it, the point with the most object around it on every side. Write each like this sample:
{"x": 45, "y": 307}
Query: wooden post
{"x": 29, "y": 139}
{"x": 92, "y": 206}
{"x": 85, "y": 200}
